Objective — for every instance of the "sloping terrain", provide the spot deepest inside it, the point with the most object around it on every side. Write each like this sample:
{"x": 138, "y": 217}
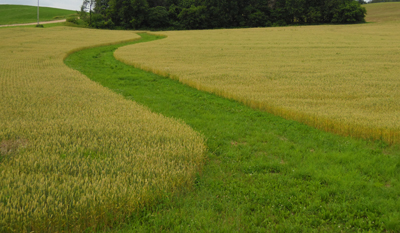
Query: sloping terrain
{"x": 339, "y": 78}
{"x": 383, "y": 12}
{"x": 18, "y": 14}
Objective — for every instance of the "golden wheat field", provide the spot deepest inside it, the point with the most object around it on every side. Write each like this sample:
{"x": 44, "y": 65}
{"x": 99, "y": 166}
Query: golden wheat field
{"x": 73, "y": 154}
{"x": 340, "y": 78}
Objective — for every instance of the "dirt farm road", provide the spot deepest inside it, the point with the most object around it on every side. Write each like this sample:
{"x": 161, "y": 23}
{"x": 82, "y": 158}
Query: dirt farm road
{"x": 25, "y": 24}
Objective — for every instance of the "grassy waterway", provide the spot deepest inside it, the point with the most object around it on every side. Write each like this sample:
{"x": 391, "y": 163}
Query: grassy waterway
{"x": 263, "y": 173}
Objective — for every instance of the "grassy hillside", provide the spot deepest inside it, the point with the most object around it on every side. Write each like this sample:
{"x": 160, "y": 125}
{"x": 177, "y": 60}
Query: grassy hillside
{"x": 339, "y": 78}
{"x": 15, "y": 14}
{"x": 383, "y": 12}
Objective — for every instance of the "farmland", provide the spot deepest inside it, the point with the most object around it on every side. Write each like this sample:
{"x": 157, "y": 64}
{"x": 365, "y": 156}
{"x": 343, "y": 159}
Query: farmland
{"x": 73, "y": 154}
{"x": 342, "y": 79}
{"x": 80, "y": 155}
{"x": 263, "y": 173}
{"x": 383, "y": 13}
{"x": 17, "y": 14}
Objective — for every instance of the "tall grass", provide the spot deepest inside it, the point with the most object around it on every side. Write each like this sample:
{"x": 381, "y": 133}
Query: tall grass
{"x": 342, "y": 79}
{"x": 74, "y": 155}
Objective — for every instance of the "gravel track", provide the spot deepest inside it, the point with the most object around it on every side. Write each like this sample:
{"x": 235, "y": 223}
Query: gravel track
{"x": 25, "y": 24}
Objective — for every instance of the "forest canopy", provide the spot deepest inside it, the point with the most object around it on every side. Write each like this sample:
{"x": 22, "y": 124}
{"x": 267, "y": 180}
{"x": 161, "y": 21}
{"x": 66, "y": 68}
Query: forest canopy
{"x": 207, "y": 14}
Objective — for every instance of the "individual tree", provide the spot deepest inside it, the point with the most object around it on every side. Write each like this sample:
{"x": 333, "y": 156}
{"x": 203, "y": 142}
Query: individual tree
{"x": 349, "y": 12}
{"x": 87, "y": 6}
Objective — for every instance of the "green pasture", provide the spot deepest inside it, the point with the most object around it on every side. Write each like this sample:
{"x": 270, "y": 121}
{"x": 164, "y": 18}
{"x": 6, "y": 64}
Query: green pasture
{"x": 263, "y": 173}
{"x": 17, "y": 14}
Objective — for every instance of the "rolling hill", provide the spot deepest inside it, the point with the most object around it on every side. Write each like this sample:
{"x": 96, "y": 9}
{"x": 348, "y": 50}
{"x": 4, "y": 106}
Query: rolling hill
{"x": 17, "y": 14}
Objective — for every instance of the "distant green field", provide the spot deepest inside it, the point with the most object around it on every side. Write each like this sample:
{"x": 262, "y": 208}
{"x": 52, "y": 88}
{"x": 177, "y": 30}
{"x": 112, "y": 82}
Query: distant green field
{"x": 383, "y": 12}
{"x": 15, "y": 14}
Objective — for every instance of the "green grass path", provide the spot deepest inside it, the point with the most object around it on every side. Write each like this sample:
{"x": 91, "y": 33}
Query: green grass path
{"x": 264, "y": 173}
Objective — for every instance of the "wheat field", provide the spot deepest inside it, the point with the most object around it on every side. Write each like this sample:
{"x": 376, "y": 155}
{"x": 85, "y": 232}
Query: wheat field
{"x": 339, "y": 78}
{"x": 73, "y": 154}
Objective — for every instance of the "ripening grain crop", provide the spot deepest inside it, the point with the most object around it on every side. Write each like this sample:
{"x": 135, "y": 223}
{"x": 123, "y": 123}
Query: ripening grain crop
{"x": 339, "y": 78}
{"x": 73, "y": 154}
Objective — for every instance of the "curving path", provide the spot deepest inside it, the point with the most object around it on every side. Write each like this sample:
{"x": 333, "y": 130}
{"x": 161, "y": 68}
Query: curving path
{"x": 26, "y": 24}
{"x": 264, "y": 173}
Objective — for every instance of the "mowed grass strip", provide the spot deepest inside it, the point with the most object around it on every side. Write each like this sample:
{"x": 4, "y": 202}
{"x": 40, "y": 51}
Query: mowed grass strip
{"x": 18, "y": 14}
{"x": 338, "y": 78}
{"x": 75, "y": 156}
{"x": 263, "y": 173}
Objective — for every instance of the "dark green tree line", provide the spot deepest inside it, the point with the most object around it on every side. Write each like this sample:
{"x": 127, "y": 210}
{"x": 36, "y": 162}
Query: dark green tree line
{"x": 202, "y": 14}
